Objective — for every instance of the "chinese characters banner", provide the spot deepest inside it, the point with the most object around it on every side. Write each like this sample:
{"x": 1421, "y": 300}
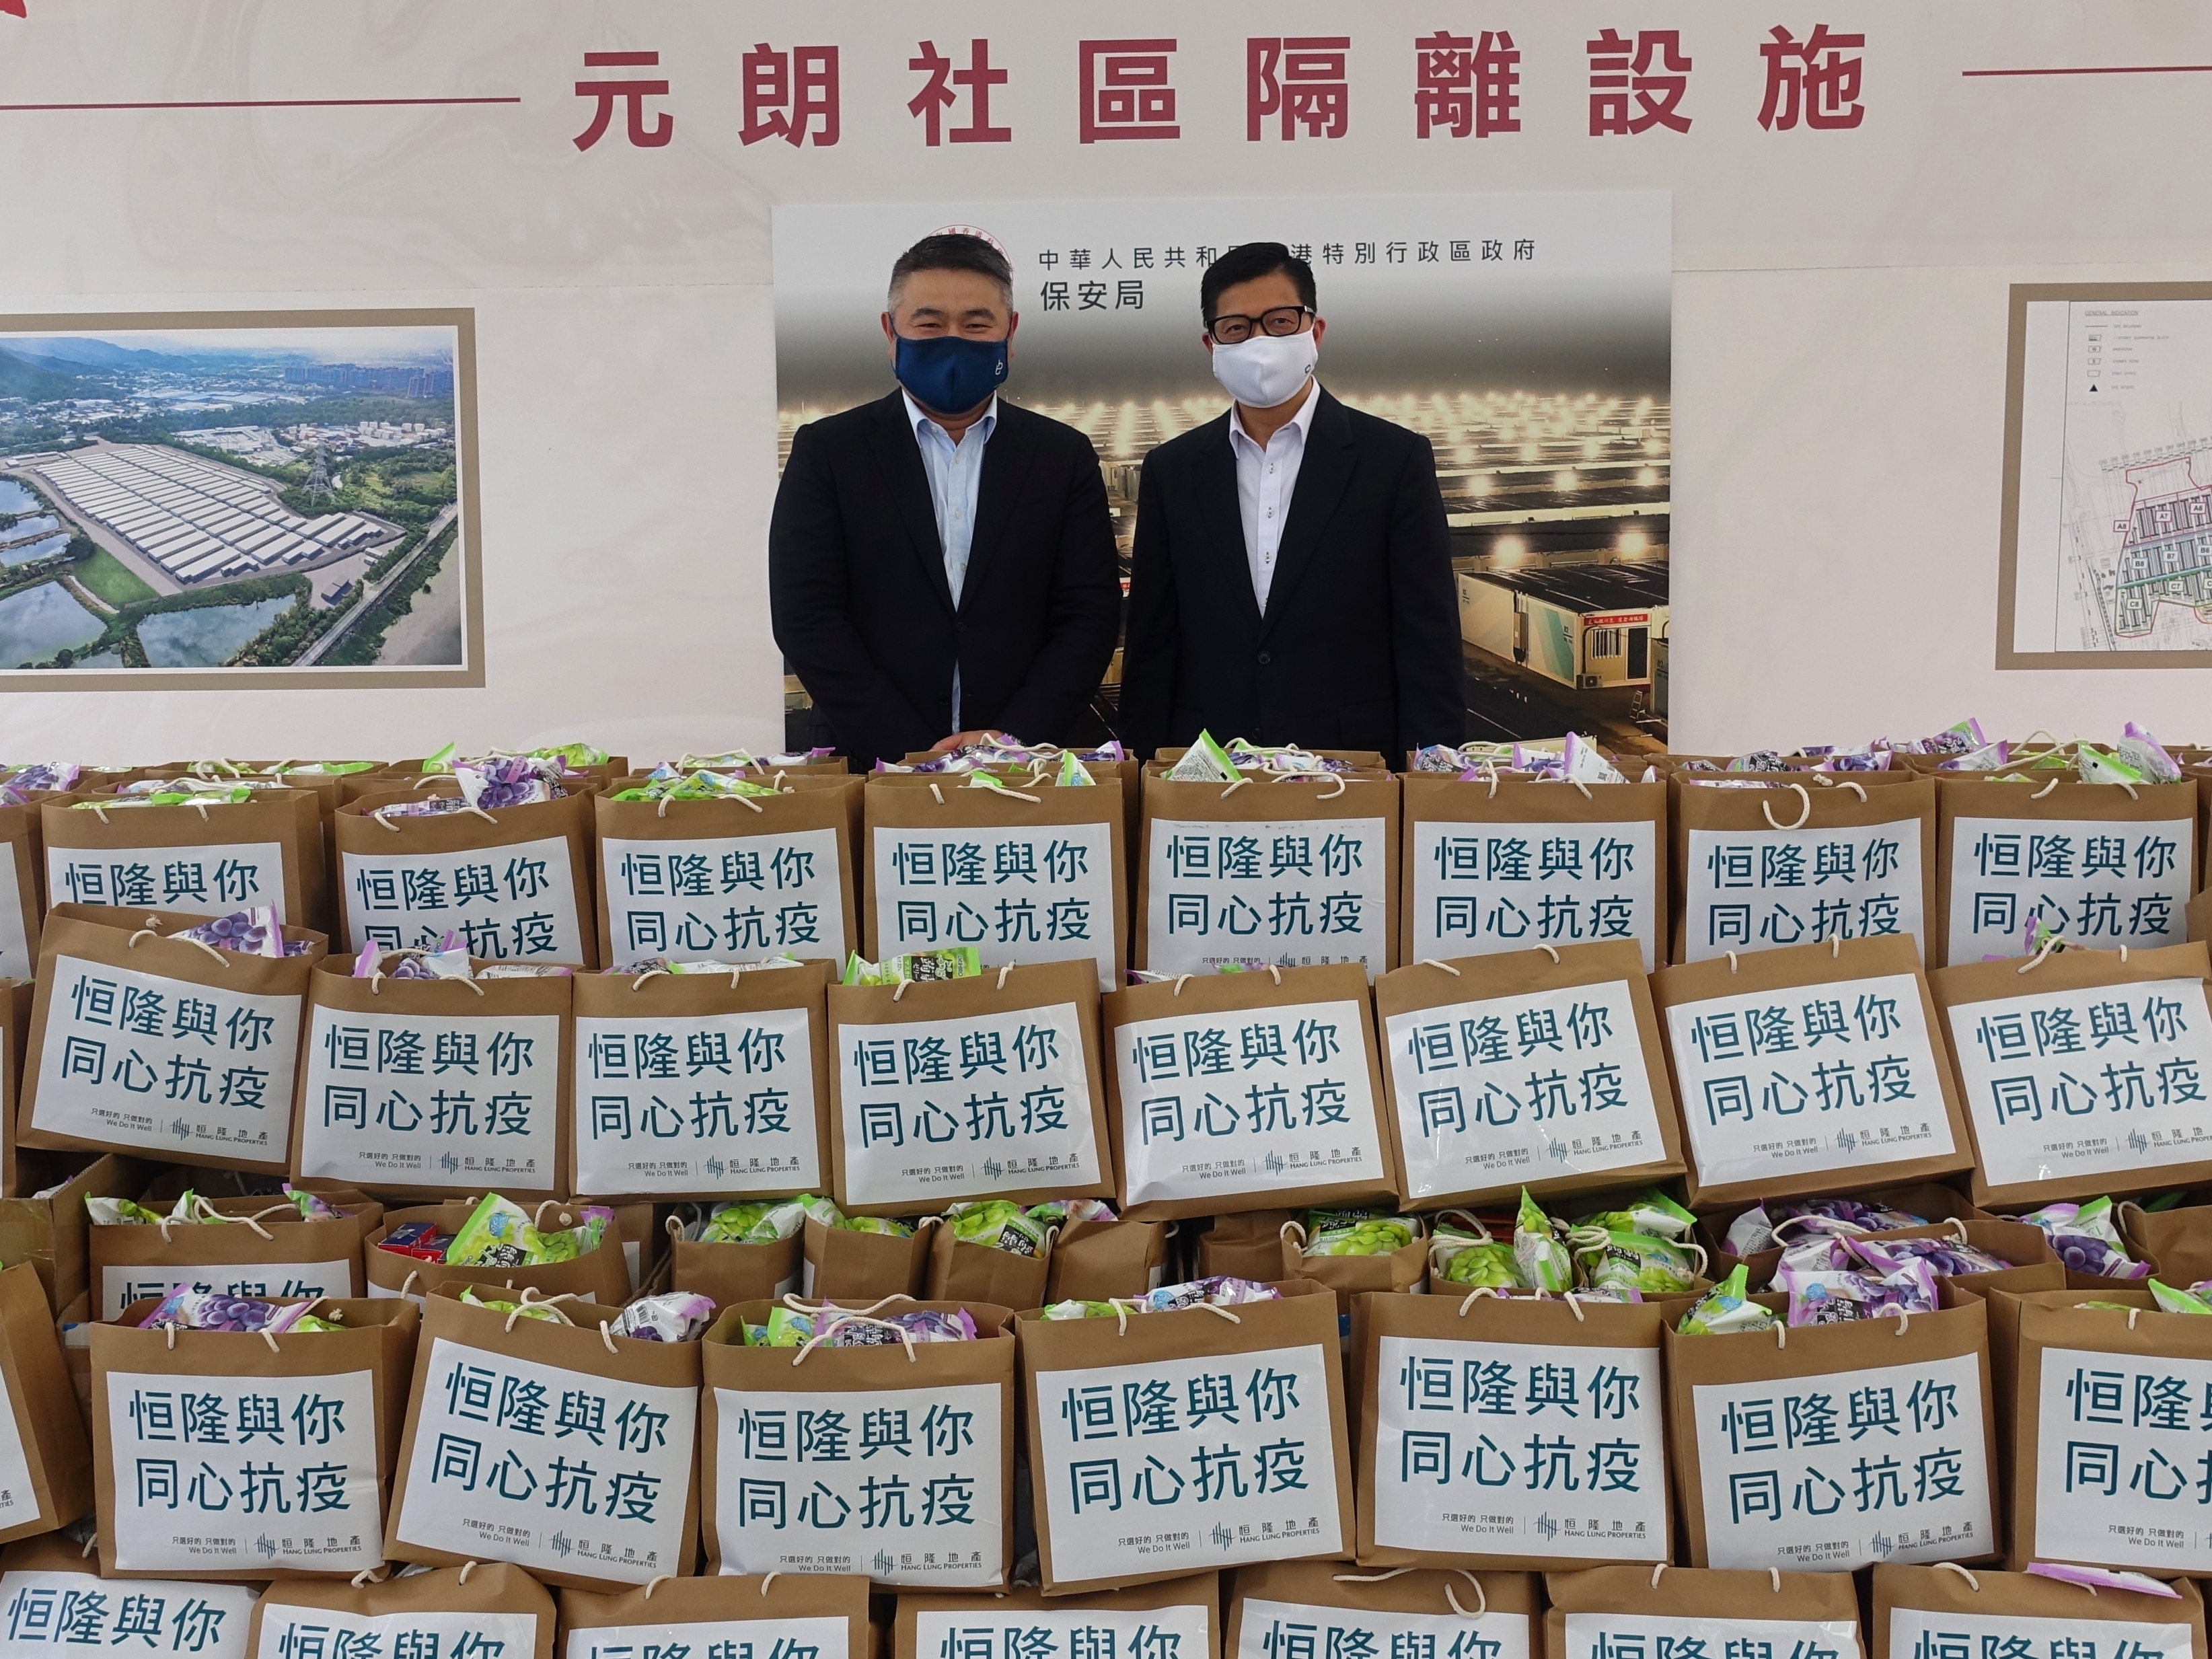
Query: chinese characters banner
{"x": 718, "y": 1638}
{"x": 733, "y": 898}
{"x": 513, "y": 903}
{"x": 2076, "y": 1087}
{"x": 120, "y": 1287}
{"x": 569, "y": 1472}
{"x": 46, "y": 1612}
{"x": 1177, "y": 1630}
{"x": 221, "y": 878}
{"x": 1299, "y": 1630}
{"x": 2123, "y": 1471}
{"x": 290, "y": 1631}
{"x": 128, "y": 1058}
{"x": 1043, "y": 892}
{"x": 1297, "y": 892}
{"x": 901, "y": 1484}
{"x": 1752, "y": 889}
{"x": 243, "y": 1473}
{"x": 1481, "y": 889}
{"x": 1916, "y": 1631}
{"x": 2102, "y": 882}
{"x": 1646, "y": 1636}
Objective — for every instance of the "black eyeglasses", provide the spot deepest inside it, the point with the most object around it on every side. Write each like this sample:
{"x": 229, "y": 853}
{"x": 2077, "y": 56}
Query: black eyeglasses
{"x": 1277, "y": 320}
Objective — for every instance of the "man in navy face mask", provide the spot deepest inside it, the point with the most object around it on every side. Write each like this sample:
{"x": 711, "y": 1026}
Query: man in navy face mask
{"x": 940, "y": 562}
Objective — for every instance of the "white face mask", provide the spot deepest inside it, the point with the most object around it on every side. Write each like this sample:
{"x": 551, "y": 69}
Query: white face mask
{"x": 1267, "y": 368}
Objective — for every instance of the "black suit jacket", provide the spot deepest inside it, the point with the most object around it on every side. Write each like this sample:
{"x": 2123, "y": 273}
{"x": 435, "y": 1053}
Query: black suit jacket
{"x": 861, "y": 608}
{"x": 1359, "y": 647}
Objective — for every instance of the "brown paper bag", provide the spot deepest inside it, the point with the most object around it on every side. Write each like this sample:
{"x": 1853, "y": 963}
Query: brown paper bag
{"x": 551, "y": 1444}
{"x": 2107, "y": 1433}
{"x": 1404, "y": 1271}
{"x": 144, "y": 1043}
{"x": 207, "y": 858}
{"x": 436, "y": 1087}
{"x": 45, "y": 1461}
{"x": 53, "y": 1233}
{"x": 1931, "y": 1201}
{"x": 22, "y": 869}
{"x": 1510, "y": 1432}
{"x": 960, "y": 1271}
{"x": 513, "y": 885}
{"x": 263, "y": 1250}
{"x": 229, "y": 1455}
{"x": 1249, "y": 1245}
{"x": 1236, "y": 1091}
{"x": 733, "y": 1273}
{"x": 1179, "y": 1618}
{"x": 1513, "y": 863}
{"x": 735, "y": 879}
{"x": 1933, "y": 1611}
{"x": 1691, "y": 1610}
{"x": 894, "y": 1462}
{"x": 1802, "y": 861}
{"x": 1091, "y": 1261}
{"x": 17, "y": 997}
{"x": 1811, "y": 1069}
{"x": 2084, "y": 1071}
{"x": 700, "y": 1085}
{"x": 1311, "y": 876}
{"x": 1129, "y": 1488}
{"x": 1278, "y": 1605}
{"x": 791, "y": 1614}
{"x": 599, "y": 1275}
{"x": 487, "y": 1610}
{"x": 2008, "y": 852}
{"x": 1847, "y": 1444}
{"x": 2035, "y": 1265}
{"x": 2178, "y": 1240}
{"x": 51, "y": 1587}
{"x": 1471, "y": 1125}
{"x": 1028, "y": 874}
{"x": 955, "y": 1089}
{"x": 849, "y": 1267}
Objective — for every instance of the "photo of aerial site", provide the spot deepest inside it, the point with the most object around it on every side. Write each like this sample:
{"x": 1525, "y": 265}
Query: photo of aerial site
{"x": 1529, "y": 337}
{"x": 204, "y": 497}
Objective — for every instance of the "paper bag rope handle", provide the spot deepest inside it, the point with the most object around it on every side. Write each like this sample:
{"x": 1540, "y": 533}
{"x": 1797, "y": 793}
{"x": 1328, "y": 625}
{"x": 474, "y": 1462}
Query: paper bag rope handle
{"x": 376, "y": 979}
{"x": 905, "y": 1336}
{"x": 150, "y": 932}
{"x": 378, "y": 815}
{"x": 1481, "y": 1596}
{"x": 1773, "y": 1573}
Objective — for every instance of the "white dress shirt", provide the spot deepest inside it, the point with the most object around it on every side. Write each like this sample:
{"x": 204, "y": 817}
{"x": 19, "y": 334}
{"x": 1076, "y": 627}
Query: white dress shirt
{"x": 1265, "y": 480}
{"x": 956, "y": 474}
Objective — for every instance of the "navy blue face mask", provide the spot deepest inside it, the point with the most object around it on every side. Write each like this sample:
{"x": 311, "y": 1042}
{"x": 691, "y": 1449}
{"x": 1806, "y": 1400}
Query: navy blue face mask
{"x": 948, "y": 373}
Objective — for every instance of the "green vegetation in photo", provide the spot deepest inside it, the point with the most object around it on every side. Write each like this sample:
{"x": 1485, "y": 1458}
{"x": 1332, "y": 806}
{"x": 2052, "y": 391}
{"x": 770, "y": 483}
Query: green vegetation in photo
{"x": 359, "y": 647}
{"x": 101, "y": 574}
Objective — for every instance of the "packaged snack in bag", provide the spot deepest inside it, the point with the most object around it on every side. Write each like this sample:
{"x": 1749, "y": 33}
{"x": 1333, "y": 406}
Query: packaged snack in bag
{"x": 765, "y": 1220}
{"x": 419, "y": 1239}
{"x": 499, "y": 1233}
{"x": 1725, "y": 1309}
{"x": 545, "y": 1310}
{"x": 889, "y": 1226}
{"x": 1945, "y": 1258}
{"x": 1653, "y": 1213}
{"x": 1350, "y": 1233}
{"x": 955, "y": 961}
{"x": 210, "y": 1310}
{"x": 998, "y": 1224}
{"x": 2087, "y": 1240}
{"x": 675, "y": 1317}
{"x": 2096, "y": 768}
{"x": 1204, "y": 762}
{"x": 1582, "y": 763}
{"x": 313, "y": 1206}
{"x": 1607, "y": 1259}
{"x": 1221, "y": 1291}
{"x": 1073, "y": 773}
{"x": 839, "y": 1328}
{"x": 1542, "y": 1261}
{"x": 1058, "y": 1211}
{"x": 2144, "y": 752}
{"x": 126, "y": 1213}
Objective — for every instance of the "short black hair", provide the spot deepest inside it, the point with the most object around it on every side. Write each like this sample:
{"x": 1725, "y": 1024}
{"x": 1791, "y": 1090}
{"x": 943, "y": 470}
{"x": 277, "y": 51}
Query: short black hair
{"x": 1246, "y": 263}
{"x": 952, "y": 252}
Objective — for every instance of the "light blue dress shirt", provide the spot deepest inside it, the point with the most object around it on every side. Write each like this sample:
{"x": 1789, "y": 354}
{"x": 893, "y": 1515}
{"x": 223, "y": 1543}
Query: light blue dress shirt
{"x": 956, "y": 471}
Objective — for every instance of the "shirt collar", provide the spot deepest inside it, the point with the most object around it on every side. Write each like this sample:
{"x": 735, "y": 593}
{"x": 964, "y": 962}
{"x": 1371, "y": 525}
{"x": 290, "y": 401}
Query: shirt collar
{"x": 918, "y": 417}
{"x": 1302, "y": 420}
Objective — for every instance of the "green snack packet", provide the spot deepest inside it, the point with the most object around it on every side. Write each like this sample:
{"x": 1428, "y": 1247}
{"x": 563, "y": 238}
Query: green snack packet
{"x": 2097, "y": 768}
{"x": 997, "y": 1224}
{"x": 1543, "y": 1261}
{"x": 1352, "y": 1232}
{"x": 1725, "y": 1309}
{"x": 1073, "y": 773}
{"x": 1483, "y": 1264}
{"x": 1654, "y": 1214}
{"x": 755, "y": 1221}
{"x": 2171, "y": 1300}
{"x": 787, "y": 1328}
{"x": 1610, "y": 1259}
{"x": 955, "y": 962}
{"x": 1081, "y": 1310}
{"x": 877, "y": 1224}
{"x": 1204, "y": 762}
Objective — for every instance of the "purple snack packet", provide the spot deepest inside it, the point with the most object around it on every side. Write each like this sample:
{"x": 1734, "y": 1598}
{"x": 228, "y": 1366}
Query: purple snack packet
{"x": 210, "y": 1310}
{"x": 254, "y": 932}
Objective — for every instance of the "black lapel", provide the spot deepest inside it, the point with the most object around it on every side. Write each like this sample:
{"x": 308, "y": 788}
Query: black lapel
{"x": 1006, "y": 467}
{"x": 899, "y": 454}
{"x": 1323, "y": 473}
{"x": 1223, "y": 520}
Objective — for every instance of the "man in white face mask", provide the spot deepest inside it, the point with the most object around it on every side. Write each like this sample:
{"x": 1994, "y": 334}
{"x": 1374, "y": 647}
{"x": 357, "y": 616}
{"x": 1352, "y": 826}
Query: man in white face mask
{"x": 1291, "y": 574}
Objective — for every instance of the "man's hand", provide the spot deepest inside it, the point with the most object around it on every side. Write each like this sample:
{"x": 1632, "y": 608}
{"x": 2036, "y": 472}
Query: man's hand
{"x": 962, "y": 739}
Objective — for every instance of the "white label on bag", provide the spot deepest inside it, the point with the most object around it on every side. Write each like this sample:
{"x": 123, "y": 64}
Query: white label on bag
{"x": 1299, "y": 893}
{"x": 991, "y": 1103}
{"x": 1757, "y": 889}
{"x": 1508, "y": 1448}
{"x": 1184, "y": 1465}
{"x": 736, "y": 898}
{"x": 1514, "y": 1089}
{"x": 1048, "y": 1633}
{"x": 121, "y": 1286}
{"x": 1838, "y": 1076}
{"x": 218, "y": 879}
{"x": 2096, "y": 882}
{"x": 430, "y": 1100}
{"x": 19, "y": 1503}
{"x": 1481, "y": 889}
{"x": 47, "y": 1611}
{"x": 1649, "y": 1636}
{"x": 900, "y": 1484}
{"x": 2104, "y": 1081}
{"x": 1040, "y": 895}
{"x": 712, "y": 1639}
{"x": 554, "y": 1470}
{"x": 1246, "y": 1100}
{"x": 292, "y": 1632}
{"x": 166, "y": 1065}
{"x": 513, "y": 903}
{"x": 2121, "y": 1470}
{"x": 1842, "y": 1470}
{"x": 707, "y": 1103}
{"x": 17, "y": 959}
{"x": 1298, "y": 1630}
{"x": 1919, "y": 1633}
{"x": 245, "y": 1473}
